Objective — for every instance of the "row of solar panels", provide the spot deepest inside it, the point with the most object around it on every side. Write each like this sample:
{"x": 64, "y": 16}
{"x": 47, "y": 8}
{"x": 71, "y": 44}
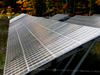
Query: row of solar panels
{"x": 92, "y": 21}
{"x": 34, "y": 41}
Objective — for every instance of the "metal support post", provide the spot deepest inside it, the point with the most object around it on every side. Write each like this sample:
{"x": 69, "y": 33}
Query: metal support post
{"x": 68, "y": 64}
{"x": 83, "y": 58}
{"x": 55, "y": 69}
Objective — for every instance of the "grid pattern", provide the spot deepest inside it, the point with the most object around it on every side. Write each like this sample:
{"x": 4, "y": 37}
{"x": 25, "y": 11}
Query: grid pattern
{"x": 59, "y": 17}
{"x": 33, "y": 42}
{"x": 93, "y": 21}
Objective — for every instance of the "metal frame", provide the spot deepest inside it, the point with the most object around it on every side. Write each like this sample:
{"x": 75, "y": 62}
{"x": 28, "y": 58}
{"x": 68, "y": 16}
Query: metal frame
{"x": 68, "y": 63}
{"x": 83, "y": 58}
{"x": 59, "y": 61}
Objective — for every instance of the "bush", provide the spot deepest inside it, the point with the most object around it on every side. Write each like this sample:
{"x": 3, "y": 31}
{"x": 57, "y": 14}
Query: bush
{"x": 3, "y": 16}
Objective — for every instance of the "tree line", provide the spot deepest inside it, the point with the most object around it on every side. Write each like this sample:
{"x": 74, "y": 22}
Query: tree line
{"x": 50, "y": 7}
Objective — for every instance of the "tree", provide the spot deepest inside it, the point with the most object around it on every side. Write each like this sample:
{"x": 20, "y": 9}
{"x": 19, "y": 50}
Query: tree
{"x": 40, "y": 7}
{"x": 27, "y": 6}
{"x": 55, "y": 6}
{"x": 49, "y": 6}
{"x": 98, "y": 2}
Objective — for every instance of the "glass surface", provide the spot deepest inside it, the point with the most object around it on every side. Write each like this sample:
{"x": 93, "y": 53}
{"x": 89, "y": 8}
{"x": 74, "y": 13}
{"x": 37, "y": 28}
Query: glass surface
{"x": 33, "y": 41}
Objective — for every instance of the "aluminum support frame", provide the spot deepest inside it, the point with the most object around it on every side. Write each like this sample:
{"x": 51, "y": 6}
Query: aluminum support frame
{"x": 68, "y": 64}
{"x": 55, "y": 69}
{"x": 83, "y": 58}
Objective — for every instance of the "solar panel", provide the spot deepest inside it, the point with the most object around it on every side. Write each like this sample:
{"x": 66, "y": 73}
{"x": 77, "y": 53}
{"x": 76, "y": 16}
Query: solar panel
{"x": 93, "y": 21}
{"x": 18, "y": 17}
{"x": 98, "y": 15}
{"x": 33, "y": 42}
{"x": 59, "y": 17}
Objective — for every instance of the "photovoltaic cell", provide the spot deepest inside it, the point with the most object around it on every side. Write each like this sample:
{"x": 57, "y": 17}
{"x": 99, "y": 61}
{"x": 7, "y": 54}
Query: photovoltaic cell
{"x": 93, "y": 21}
{"x": 34, "y": 41}
{"x": 98, "y": 15}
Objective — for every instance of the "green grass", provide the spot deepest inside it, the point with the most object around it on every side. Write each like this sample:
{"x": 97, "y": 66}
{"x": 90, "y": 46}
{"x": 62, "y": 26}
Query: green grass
{"x": 2, "y": 58}
{"x": 3, "y": 41}
{"x": 92, "y": 61}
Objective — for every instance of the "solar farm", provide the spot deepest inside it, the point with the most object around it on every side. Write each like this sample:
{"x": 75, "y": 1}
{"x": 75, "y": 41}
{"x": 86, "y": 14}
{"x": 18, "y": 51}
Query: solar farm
{"x": 35, "y": 42}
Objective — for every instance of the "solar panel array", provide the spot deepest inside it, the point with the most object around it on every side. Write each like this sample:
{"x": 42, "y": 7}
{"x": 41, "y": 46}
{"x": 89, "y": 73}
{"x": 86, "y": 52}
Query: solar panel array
{"x": 59, "y": 17}
{"x": 98, "y": 15}
{"x": 33, "y": 42}
{"x": 93, "y": 21}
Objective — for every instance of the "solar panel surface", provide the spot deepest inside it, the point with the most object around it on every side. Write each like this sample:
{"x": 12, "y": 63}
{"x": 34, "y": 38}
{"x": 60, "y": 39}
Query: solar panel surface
{"x": 98, "y": 15}
{"x": 92, "y": 21}
{"x": 33, "y": 42}
{"x": 59, "y": 17}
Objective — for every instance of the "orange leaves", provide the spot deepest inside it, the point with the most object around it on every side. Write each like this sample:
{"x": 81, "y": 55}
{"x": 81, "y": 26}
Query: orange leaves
{"x": 2, "y": 3}
{"x": 78, "y": 7}
{"x": 81, "y": 8}
{"x": 29, "y": 9}
{"x": 78, "y": 12}
{"x": 9, "y": 7}
{"x": 34, "y": 11}
{"x": 2, "y": 11}
{"x": 86, "y": 14}
{"x": 98, "y": 2}
{"x": 56, "y": 8}
{"x": 44, "y": 13}
{"x": 23, "y": 0}
{"x": 61, "y": 11}
{"x": 22, "y": 9}
{"x": 64, "y": 6}
{"x": 70, "y": 14}
{"x": 31, "y": 12}
{"x": 52, "y": 14}
{"x": 9, "y": 11}
{"x": 19, "y": 2}
{"x": 27, "y": 6}
{"x": 13, "y": 13}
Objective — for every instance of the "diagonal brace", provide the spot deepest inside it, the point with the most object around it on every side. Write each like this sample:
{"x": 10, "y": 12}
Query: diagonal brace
{"x": 83, "y": 58}
{"x": 68, "y": 63}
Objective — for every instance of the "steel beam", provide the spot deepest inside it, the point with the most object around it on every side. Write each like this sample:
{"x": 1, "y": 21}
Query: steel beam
{"x": 68, "y": 63}
{"x": 83, "y": 58}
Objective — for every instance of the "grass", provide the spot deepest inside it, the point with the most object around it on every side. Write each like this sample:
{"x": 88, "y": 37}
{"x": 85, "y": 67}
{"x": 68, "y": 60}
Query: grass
{"x": 92, "y": 61}
{"x": 3, "y": 41}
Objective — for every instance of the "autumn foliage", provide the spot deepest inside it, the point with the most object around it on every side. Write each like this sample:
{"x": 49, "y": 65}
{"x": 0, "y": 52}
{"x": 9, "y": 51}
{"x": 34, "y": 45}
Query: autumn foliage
{"x": 55, "y": 6}
{"x": 48, "y": 7}
{"x": 28, "y": 6}
{"x": 98, "y": 2}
